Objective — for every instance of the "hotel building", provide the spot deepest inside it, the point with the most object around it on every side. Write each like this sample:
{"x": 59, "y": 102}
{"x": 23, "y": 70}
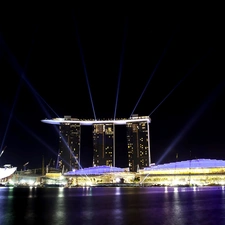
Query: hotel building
{"x": 138, "y": 145}
{"x": 69, "y": 145}
{"x": 104, "y": 143}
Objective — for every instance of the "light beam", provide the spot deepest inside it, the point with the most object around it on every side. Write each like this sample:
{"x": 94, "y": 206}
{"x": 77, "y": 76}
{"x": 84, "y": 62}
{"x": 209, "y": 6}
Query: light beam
{"x": 153, "y": 73}
{"x": 193, "y": 119}
{"x": 120, "y": 69}
{"x": 21, "y": 73}
{"x": 187, "y": 74}
{"x": 84, "y": 66}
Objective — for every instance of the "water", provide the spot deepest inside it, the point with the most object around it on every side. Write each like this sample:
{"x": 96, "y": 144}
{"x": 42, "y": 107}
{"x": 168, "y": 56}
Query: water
{"x": 112, "y": 206}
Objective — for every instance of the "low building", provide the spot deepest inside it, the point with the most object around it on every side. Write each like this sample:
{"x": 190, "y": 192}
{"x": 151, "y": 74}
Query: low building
{"x": 197, "y": 172}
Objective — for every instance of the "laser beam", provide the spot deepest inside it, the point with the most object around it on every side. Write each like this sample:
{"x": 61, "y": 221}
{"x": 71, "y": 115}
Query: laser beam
{"x": 193, "y": 119}
{"x": 17, "y": 94}
{"x": 30, "y": 132}
{"x": 21, "y": 73}
{"x": 153, "y": 73}
{"x": 84, "y": 66}
{"x": 121, "y": 63}
{"x": 11, "y": 113}
{"x": 187, "y": 74}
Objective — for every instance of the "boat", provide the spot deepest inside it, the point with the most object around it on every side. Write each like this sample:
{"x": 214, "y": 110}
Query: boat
{"x": 6, "y": 171}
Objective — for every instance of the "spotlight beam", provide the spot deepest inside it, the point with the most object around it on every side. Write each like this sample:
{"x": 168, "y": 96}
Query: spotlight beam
{"x": 194, "y": 118}
{"x": 84, "y": 66}
{"x": 71, "y": 152}
{"x": 39, "y": 99}
{"x": 153, "y": 73}
{"x": 120, "y": 69}
{"x": 19, "y": 70}
{"x": 29, "y": 131}
{"x": 16, "y": 96}
{"x": 21, "y": 73}
{"x": 11, "y": 114}
{"x": 187, "y": 74}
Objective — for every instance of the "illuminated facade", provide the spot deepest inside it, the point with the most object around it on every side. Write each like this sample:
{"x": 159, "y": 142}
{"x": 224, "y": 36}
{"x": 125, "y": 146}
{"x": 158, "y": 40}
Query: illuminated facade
{"x": 196, "y": 172}
{"x": 191, "y": 173}
{"x": 103, "y": 141}
{"x": 69, "y": 146}
{"x": 103, "y": 145}
{"x": 138, "y": 142}
{"x": 7, "y": 171}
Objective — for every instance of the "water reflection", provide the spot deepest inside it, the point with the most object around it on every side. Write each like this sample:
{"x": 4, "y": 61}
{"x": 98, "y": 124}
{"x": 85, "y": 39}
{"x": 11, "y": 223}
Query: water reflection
{"x": 121, "y": 206}
{"x": 88, "y": 209}
{"x": 6, "y": 198}
{"x": 118, "y": 210}
{"x": 87, "y": 191}
{"x": 58, "y": 208}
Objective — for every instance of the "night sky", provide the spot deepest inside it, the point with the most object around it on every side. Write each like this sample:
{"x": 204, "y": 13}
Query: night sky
{"x": 61, "y": 62}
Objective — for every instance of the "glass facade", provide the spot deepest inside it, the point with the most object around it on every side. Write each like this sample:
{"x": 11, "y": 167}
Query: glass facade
{"x": 103, "y": 145}
{"x": 69, "y": 146}
{"x": 138, "y": 145}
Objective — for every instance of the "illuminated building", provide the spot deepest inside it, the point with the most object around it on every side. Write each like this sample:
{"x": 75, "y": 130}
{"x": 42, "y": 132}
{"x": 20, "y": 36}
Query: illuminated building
{"x": 104, "y": 147}
{"x": 69, "y": 145}
{"x": 138, "y": 144}
{"x": 196, "y": 172}
{"x": 192, "y": 173}
{"x": 7, "y": 171}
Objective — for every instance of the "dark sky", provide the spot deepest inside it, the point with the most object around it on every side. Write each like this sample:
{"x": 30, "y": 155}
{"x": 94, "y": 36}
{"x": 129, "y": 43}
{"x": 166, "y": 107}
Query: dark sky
{"x": 56, "y": 63}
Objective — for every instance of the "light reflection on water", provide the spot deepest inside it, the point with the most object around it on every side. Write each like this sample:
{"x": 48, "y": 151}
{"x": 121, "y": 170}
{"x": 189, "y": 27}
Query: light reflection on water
{"x": 112, "y": 205}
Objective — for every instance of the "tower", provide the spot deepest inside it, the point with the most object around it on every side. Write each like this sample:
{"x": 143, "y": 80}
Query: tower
{"x": 103, "y": 144}
{"x": 69, "y": 145}
{"x": 138, "y": 141}
{"x": 138, "y": 144}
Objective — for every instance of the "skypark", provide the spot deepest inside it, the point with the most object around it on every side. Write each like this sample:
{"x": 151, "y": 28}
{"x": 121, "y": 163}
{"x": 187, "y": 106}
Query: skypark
{"x": 123, "y": 121}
